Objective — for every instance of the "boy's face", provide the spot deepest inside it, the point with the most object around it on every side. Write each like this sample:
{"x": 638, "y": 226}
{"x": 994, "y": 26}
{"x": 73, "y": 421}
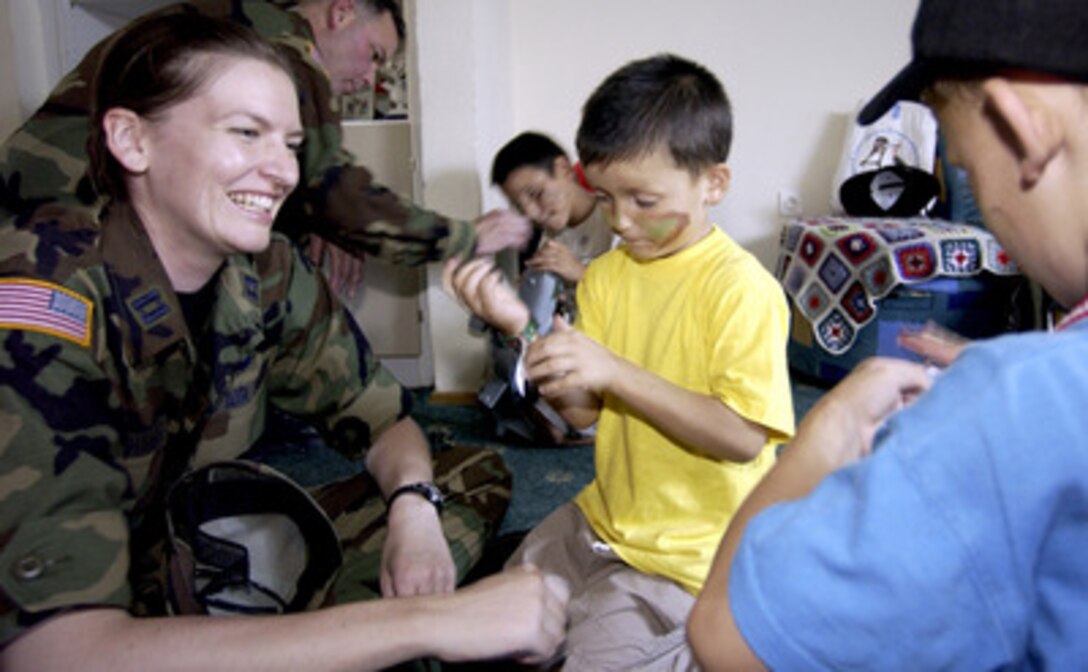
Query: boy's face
{"x": 542, "y": 196}
{"x": 1026, "y": 224}
{"x": 655, "y": 206}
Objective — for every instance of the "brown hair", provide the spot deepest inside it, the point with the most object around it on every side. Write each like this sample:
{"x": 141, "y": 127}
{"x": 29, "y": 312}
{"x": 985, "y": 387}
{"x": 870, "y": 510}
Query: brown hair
{"x": 157, "y": 62}
{"x": 661, "y": 101}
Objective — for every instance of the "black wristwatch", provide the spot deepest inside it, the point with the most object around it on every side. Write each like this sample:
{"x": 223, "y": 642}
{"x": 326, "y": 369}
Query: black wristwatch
{"x": 428, "y": 491}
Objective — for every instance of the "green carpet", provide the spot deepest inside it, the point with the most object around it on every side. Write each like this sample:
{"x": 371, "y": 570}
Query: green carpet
{"x": 545, "y": 476}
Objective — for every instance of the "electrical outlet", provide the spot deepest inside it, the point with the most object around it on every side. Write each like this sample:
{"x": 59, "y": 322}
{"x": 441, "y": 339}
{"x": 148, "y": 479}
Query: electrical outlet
{"x": 789, "y": 203}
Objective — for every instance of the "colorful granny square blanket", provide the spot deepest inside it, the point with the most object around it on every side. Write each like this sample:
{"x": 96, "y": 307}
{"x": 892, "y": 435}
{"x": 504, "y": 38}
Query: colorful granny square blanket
{"x": 836, "y": 268}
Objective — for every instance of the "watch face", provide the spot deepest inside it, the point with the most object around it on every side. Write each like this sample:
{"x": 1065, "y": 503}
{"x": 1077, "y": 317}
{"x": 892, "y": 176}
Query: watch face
{"x": 431, "y": 492}
{"x": 428, "y": 491}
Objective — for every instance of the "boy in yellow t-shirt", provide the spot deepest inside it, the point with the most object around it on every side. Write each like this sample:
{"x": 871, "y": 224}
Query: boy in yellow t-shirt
{"x": 679, "y": 355}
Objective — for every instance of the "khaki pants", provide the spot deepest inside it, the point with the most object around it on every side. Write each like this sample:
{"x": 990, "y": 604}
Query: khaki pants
{"x": 620, "y": 618}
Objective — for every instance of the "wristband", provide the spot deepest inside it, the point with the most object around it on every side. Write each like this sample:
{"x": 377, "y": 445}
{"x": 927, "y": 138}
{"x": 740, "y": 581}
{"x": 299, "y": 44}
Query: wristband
{"x": 428, "y": 491}
{"x": 529, "y": 334}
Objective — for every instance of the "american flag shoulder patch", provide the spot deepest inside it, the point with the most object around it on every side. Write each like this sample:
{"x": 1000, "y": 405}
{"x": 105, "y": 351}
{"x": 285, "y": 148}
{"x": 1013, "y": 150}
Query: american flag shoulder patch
{"x": 34, "y": 305}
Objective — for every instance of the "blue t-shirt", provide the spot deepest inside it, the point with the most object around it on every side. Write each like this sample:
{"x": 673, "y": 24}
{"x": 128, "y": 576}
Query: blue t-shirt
{"x": 961, "y": 543}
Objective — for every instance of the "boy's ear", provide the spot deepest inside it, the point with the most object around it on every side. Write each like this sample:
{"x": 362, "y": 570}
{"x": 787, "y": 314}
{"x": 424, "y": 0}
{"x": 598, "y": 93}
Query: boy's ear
{"x": 1028, "y": 126}
{"x": 126, "y": 138}
{"x": 717, "y": 179}
{"x": 561, "y": 167}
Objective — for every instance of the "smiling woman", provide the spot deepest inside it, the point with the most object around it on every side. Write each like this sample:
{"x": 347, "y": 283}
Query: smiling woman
{"x": 206, "y": 172}
{"x": 144, "y": 343}
{"x": 208, "y": 176}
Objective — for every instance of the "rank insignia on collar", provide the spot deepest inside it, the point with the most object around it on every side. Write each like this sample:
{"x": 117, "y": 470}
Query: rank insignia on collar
{"x": 252, "y": 287}
{"x": 149, "y": 307}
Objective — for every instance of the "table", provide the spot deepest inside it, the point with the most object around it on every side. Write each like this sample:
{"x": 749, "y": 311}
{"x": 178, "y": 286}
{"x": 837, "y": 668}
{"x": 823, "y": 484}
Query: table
{"x": 835, "y": 269}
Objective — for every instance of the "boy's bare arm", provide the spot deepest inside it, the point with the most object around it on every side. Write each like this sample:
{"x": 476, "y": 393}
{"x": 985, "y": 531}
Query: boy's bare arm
{"x": 567, "y": 363}
{"x": 838, "y": 431}
{"x": 479, "y": 286}
{"x": 700, "y": 421}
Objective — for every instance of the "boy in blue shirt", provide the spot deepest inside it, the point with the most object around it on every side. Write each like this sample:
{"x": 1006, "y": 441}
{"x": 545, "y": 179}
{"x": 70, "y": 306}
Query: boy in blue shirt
{"x": 950, "y": 535}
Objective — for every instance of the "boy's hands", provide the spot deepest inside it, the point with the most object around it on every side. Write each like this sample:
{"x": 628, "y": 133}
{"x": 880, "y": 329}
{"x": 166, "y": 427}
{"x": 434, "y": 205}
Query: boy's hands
{"x": 557, "y": 258}
{"x": 480, "y": 287}
{"x": 934, "y": 343}
{"x": 566, "y": 360}
{"x": 843, "y": 423}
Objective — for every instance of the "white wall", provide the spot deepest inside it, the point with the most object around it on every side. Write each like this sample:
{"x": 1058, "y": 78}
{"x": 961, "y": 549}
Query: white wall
{"x": 30, "y": 55}
{"x": 11, "y": 113}
{"x": 794, "y": 69}
{"x": 41, "y": 40}
{"x": 463, "y": 51}
{"x": 492, "y": 68}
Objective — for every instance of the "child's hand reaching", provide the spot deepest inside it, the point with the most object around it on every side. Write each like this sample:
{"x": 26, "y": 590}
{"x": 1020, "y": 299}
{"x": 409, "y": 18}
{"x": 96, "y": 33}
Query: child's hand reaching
{"x": 566, "y": 360}
{"x": 557, "y": 258}
{"x": 936, "y": 344}
{"x": 480, "y": 287}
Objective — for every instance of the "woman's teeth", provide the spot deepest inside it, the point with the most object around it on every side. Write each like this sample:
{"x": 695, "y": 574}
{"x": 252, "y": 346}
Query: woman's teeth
{"x": 256, "y": 202}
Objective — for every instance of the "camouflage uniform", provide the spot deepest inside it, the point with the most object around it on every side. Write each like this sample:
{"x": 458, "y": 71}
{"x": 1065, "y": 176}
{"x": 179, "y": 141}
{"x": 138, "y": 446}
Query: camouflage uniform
{"x": 106, "y": 398}
{"x": 46, "y": 157}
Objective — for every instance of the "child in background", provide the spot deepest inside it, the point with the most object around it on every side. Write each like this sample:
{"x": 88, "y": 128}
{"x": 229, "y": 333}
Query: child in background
{"x": 537, "y": 177}
{"x": 679, "y": 355}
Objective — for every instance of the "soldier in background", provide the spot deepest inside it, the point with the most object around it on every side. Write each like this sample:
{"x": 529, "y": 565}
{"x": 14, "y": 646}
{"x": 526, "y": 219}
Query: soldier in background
{"x": 140, "y": 349}
{"x": 335, "y": 47}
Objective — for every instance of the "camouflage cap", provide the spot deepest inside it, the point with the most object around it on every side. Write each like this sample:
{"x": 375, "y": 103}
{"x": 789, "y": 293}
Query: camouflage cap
{"x": 244, "y": 539}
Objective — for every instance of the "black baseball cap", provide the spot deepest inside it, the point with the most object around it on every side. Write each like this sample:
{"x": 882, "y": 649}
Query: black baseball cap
{"x": 967, "y": 38}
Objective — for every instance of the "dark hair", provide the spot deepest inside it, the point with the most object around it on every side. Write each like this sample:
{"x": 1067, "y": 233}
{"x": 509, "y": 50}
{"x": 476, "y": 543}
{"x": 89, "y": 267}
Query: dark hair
{"x": 528, "y": 149}
{"x": 379, "y": 7}
{"x": 661, "y": 100}
{"x": 157, "y": 62}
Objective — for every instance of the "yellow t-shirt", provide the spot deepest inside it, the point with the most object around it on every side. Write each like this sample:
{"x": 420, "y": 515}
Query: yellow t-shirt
{"x": 712, "y": 320}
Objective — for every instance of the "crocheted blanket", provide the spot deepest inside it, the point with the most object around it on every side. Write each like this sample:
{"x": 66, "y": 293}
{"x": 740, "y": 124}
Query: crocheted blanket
{"x": 836, "y": 269}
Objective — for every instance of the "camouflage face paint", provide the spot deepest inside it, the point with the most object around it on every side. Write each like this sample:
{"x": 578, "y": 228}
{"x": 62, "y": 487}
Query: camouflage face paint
{"x": 610, "y": 216}
{"x": 664, "y": 229}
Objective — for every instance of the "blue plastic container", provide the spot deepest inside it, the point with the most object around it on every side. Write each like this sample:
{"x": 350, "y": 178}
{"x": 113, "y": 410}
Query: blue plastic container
{"x": 975, "y": 307}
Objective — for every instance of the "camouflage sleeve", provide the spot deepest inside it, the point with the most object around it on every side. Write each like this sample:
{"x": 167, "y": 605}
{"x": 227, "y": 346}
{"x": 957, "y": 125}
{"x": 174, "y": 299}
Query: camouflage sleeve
{"x": 64, "y": 535}
{"x": 339, "y": 199}
{"x": 46, "y": 157}
{"x": 365, "y": 216}
{"x": 325, "y": 370}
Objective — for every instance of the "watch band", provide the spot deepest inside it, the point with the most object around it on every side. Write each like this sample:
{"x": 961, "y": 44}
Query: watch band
{"x": 426, "y": 490}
